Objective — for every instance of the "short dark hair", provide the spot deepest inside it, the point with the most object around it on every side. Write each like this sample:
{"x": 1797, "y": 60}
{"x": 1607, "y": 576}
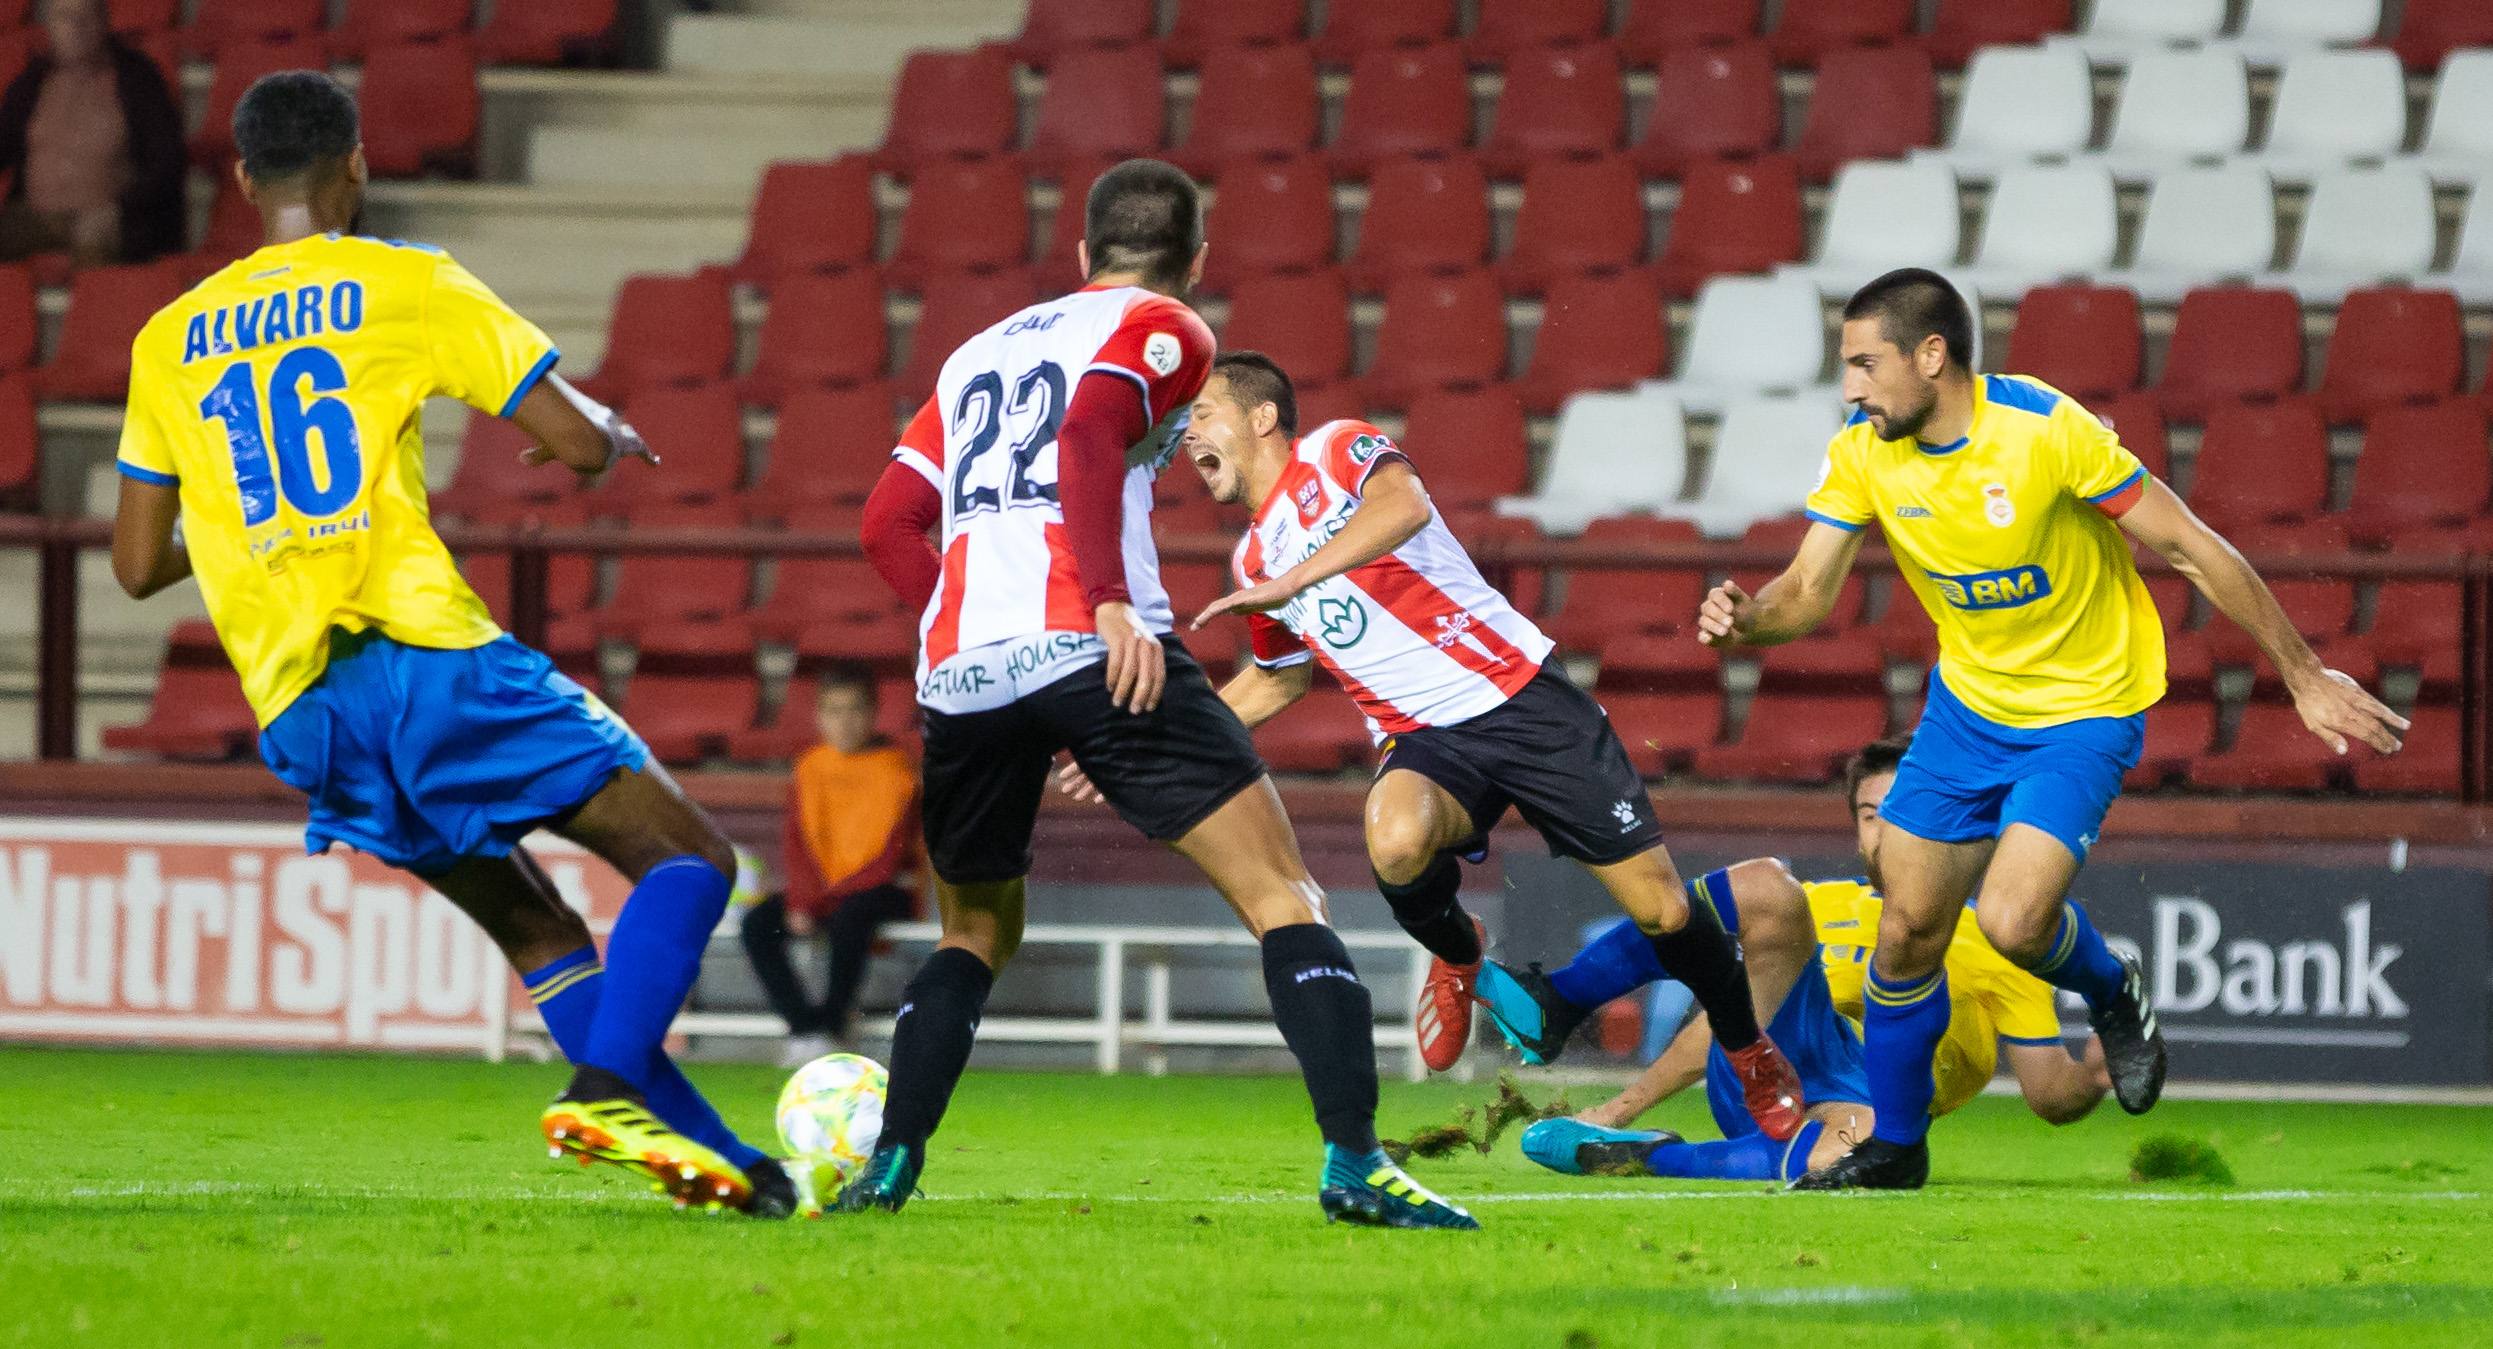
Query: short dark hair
{"x": 292, "y": 122}
{"x": 1254, "y": 379}
{"x": 1914, "y": 303}
{"x": 1879, "y": 756}
{"x": 1143, "y": 216}
{"x": 847, "y": 674}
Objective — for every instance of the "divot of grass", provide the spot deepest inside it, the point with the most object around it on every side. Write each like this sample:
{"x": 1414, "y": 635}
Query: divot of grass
{"x": 2172, "y": 1158}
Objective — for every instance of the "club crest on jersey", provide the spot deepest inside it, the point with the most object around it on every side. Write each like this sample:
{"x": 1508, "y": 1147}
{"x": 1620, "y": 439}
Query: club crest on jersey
{"x": 1341, "y": 622}
{"x": 1310, "y": 500}
{"x": 1996, "y": 507}
{"x": 1162, "y": 353}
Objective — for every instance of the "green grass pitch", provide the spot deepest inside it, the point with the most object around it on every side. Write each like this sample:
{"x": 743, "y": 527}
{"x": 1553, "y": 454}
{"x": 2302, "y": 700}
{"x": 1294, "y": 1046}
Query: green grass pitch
{"x": 269, "y": 1200}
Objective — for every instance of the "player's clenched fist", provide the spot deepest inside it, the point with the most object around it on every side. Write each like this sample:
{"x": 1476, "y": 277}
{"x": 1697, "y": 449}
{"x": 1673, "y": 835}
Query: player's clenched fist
{"x": 1723, "y": 620}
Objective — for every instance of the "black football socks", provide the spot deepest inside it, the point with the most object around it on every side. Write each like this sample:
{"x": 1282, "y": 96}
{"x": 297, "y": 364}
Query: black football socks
{"x": 931, "y": 1037}
{"x": 1428, "y": 910}
{"x": 1329, "y": 1022}
{"x": 1705, "y": 958}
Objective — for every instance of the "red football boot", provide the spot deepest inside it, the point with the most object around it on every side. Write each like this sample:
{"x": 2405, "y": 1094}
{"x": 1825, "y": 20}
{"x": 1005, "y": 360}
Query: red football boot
{"x": 1772, "y": 1088}
{"x": 1443, "y": 1021}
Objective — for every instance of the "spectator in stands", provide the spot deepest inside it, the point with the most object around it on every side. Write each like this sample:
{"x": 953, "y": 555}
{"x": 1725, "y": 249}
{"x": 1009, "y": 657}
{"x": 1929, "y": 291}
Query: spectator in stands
{"x": 852, "y": 849}
{"x": 92, "y": 142}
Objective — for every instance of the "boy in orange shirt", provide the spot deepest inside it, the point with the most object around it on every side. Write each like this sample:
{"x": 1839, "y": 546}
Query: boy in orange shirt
{"x": 851, "y": 858}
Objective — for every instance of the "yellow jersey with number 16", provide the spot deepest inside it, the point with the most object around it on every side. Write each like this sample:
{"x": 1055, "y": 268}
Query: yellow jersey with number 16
{"x": 284, "y": 396}
{"x": 2007, "y": 538}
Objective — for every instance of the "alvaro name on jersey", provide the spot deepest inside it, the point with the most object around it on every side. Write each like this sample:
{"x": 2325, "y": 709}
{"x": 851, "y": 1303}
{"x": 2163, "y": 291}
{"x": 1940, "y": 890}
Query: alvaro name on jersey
{"x": 1416, "y": 636}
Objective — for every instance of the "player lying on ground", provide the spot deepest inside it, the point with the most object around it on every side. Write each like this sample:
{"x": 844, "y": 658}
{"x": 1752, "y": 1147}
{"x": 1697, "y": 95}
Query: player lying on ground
{"x": 1999, "y": 497}
{"x": 1816, "y": 940}
{"x": 1348, "y": 565}
{"x": 276, "y": 412}
{"x": 1045, "y": 631}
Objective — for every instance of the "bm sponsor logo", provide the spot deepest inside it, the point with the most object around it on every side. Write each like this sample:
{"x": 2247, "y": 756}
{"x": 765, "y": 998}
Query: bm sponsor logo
{"x": 2010, "y": 589}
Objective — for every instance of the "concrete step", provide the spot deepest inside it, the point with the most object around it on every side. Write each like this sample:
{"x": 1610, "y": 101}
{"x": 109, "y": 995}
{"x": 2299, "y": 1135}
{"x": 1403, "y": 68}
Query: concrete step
{"x": 557, "y": 254}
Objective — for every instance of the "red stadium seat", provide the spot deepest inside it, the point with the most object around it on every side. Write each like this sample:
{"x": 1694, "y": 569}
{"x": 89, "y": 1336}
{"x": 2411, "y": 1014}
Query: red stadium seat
{"x": 964, "y": 215}
{"x": 1559, "y": 101}
{"x": 687, "y": 717}
{"x": 1204, "y": 27}
{"x": 683, "y": 603}
{"x": 2085, "y": 341}
{"x": 21, "y": 455}
{"x": 814, "y": 591}
{"x": 2392, "y": 347}
{"x": 698, "y": 435}
{"x": 2271, "y": 752}
{"x": 107, "y": 307}
{"x": 1423, "y": 215}
{"x": 829, "y": 451}
{"x": 1439, "y": 332}
{"x": 1733, "y": 216}
{"x": 1055, "y": 28}
{"x": 949, "y": 105}
{"x": 1601, "y": 605}
{"x": 1904, "y": 632}
{"x": 1663, "y": 732}
{"x": 1508, "y": 28}
{"x": 2262, "y": 463}
{"x": 1578, "y": 215}
{"x": 2418, "y": 625}
{"x": 788, "y": 731}
{"x": 2178, "y": 731}
{"x": 490, "y": 474}
{"x": 1809, "y": 29}
{"x": 810, "y": 216}
{"x": 1300, "y": 320}
{"x": 1655, "y": 658}
{"x": 1403, "y": 101}
{"x": 824, "y": 329}
{"x": 1655, "y": 29}
{"x": 1323, "y": 733}
{"x": 1964, "y": 27}
{"x": 952, "y": 311}
{"x": 2230, "y": 345}
{"x": 422, "y": 109}
{"x": 2136, "y": 419}
{"x": 1103, "y": 104}
{"x": 666, "y": 330}
{"x": 1711, "y": 103}
{"x": 2321, "y": 610}
{"x": 238, "y": 67}
{"x": 1796, "y": 737}
{"x": 139, "y": 18}
{"x": 1869, "y": 103}
{"x": 234, "y": 229}
{"x": 2422, "y": 467}
{"x": 1273, "y": 216}
{"x": 18, "y": 324}
{"x": 1073, "y": 191}
{"x": 1606, "y": 330}
{"x": 373, "y": 24}
{"x": 2427, "y": 766}
{"x": 1470, "y": 446}
{"x": 1256, "y": 103}
{"x": 2432, "y": 29}
{"x": 198, "y": 711}
{"x": 217, "y": 25}
{"x": 549, "y": 33}
{"x": 1353, "y": 31}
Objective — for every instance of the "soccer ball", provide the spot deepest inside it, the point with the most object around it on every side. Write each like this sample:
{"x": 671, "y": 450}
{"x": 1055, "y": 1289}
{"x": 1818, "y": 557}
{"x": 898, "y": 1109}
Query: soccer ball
{"x": 831, "y": 1112}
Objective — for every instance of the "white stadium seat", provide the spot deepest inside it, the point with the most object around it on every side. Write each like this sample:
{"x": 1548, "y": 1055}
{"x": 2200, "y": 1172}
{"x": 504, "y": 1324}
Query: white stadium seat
{"x": 2047, "y": 222}
{"x": 1612, "y": 454}
{"x": 2020, "y": 104}
{"x": 1883, "y": 215}
{"x": 2471, "y": 269}
{"x": 2203, "y": 227}
{"x": 2363, "y": 227}
{"x": 1766, "y": 458}
{"x": 2122, "y": 30}
{"x": 2333, "y": 108}
{"x": 1750, "y": 333}
{"x": 2458, "y": 141}
{"x": 2178, "y": 108}
{"x": 2273, "y": 31}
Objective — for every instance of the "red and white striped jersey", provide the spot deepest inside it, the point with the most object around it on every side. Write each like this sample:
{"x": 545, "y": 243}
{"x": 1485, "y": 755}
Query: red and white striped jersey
{"x": 1417, "y": 637}
{"x": 987, "y": 441}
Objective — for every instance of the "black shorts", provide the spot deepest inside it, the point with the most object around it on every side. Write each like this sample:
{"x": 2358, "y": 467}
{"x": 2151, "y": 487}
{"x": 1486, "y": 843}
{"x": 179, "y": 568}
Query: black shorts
{"x": 1548, "y": 752}
{"x": 1164, "y": 772}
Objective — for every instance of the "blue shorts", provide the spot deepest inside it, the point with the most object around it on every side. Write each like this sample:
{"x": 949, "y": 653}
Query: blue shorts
{"x": 422, "y": 757}
{"x": 1968, "y": 778}
{"x": 1822, "y": 1045}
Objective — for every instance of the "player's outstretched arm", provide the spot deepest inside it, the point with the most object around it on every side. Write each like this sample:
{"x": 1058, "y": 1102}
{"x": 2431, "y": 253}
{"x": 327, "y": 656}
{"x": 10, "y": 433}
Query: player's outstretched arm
{"x": 2057, "y": 1088}
{"x": 1392, "y": 509}
{"x": 1789, "y": 606}
{"x": 575, "y": 430}
{"x": 2333, "y": 705}
{"x": 145, "y": 557}
{"x": 1681, "y": 1066}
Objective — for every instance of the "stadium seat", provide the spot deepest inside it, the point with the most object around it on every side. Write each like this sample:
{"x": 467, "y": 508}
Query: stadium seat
{"x": 679, "y": 602}
{"x": 948, "y": 105}
{"x": 823, "y": 329}
{"x": 1402, "y": 101}
{"x": 1301, "y": 320}
{"x": 2086, "y": 341}
{"x": 1057, "y": 259}
{"x": 373, "y": 24}
{"x": 1734, "y": 216}
{"x": 217, "y": 25}
{"x": 489, "y": 474}
{"x": 2333, "y": 108}
{"x": 1055, "y": 28}
{"x": 2203, "y": 227}
{"x": 1506, "y": 29}
{"x": 1750, "y": 334}
{"x": 1710, "y": 103}
{"x": 1868, "y": 103}
{"x": 130, "y": 18}
{"x": 951, "y": 311}
{"x": 2320, "y": 608}
{"x": 1470, "y": 446}
{"x": 2261, "y": 463}
{"x": 1323, "y": 733}
{"x": 570, "y": 581}
{"x": 107, "y": 307}
{"x": 1799, "y": 738}
{"x": 698, "y": 435}
{"x": 666, "y": 330}
{"x": 1352, "y": 32}
{"x": 2363, "y": 227}
{"x": 1107, "y": 103}
{"x": 1578, "y": 215}
{"x": 19, "y": 326}
{"x": 2470, "y": 274}
{"x": 2274, "y": 32}
{"x": 1439, "y": 332}
{"x": 828, "y": 451}
{"x": 2271, "y": 752}
{"x": 1883, "y": 216}
{"x": 1272, "y": 216}
{"x": 2415, "y": 623}
{"x": 422, "y": 109}
{"x": 1558, "y": 102}
{"x": 1810, "y": 29}
{"x": 549, "y": 33}
{"x": 1255, "y": 103}
{"x": 1965, "y": 27}
{"x": 964, "y": 215}
{"x": 687, "y": 718}
{"x": 238, "y": 67}
{"x": 2229, "y": 345}
{"x": 2177, "y": 108}
{"x": 1612, "y": 454}
{"x": 1654, "y": 29}
{"x": 2421, "y": 467}
{"x": 1603, "y": 330}
{"x": 2392, "y": 347}
{"x": 2046, "y": 223}
{"x": 2117, "y": 30}
{"x": 2428, "y": 765}
{"x": 1423, "y": 215}
{"x": 2458, "y": 138}
{"x": 2136, "y": 419}
{"x": 813, "y": 591}
{"x": 1767, "y": 454}
{"x": 234, "y": 229}
{"x": 1203, "y": 27}
{"x": 21, "y": 452}
{"x": 810, "y": 216}
{"x": 1663, "y": 731}
{"x": 2430, "y": 31}
{"x": 1600, "y": 606}
{"x": 2179, "y": 730}
{"x": 1657, "y": 659}
{"x": 198, "y": 711}
{"x": 2020, "y": 104}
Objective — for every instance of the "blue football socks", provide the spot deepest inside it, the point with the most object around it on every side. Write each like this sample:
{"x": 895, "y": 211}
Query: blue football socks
{"x": 1612, "y": 965}
{"x": 1900, "y": 1029}
{"x": 2080, "y": 962}
{"x": 567, "y": 992}
{"x": 1752, "y": 1157}
{"x": 652, "y": 957}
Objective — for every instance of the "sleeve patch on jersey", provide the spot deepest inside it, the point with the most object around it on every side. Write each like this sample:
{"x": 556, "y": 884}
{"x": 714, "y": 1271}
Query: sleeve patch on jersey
{"x": 149, "y": 475}
{"x": 1366, "y": 448}
{"x": 2117, "y": 502}
{"x": 1163, "y": 353}
{"x": 529, "y": 381}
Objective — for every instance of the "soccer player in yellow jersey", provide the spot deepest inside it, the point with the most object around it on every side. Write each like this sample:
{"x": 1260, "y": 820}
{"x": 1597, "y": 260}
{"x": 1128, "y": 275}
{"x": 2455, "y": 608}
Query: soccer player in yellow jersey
{"x": 275, "y": 412}
{"x": 1813, "y": 941}
{"x": 2005, "y": 504}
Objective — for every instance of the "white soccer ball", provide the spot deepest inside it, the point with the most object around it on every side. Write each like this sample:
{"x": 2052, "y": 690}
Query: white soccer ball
{"x": 831, "y": 1111}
